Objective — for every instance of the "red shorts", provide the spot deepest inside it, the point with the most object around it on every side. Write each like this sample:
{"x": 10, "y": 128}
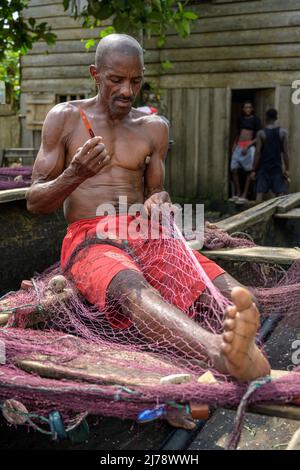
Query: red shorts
{"x": 167, "y": 264}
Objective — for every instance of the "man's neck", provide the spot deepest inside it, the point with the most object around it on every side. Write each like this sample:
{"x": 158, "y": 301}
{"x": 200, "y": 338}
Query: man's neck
{"x": 104, "y": 110}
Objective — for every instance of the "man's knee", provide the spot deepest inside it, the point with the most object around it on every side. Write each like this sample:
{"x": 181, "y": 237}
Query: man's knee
{"x": 127, "y": 283}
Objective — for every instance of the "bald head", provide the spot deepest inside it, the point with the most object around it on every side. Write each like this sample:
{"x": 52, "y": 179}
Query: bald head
{"x": 117, "y": 43}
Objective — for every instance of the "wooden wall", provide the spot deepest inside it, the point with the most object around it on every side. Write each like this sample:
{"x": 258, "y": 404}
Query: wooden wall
{"x": 234, "y": 45}
{"x": 9, "y": 127}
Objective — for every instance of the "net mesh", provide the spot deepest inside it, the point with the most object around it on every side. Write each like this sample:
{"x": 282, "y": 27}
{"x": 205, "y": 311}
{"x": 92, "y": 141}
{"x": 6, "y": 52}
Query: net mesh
{"x": 64, "y": 353}
{"x": 15, "y": 177}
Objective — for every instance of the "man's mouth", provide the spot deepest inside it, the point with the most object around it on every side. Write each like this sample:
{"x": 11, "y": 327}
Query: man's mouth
{"x": 123, "y": 102}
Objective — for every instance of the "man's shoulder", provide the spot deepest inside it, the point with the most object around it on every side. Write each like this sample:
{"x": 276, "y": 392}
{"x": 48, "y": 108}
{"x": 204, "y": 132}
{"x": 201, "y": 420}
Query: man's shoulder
{"x": 66, "y": 110}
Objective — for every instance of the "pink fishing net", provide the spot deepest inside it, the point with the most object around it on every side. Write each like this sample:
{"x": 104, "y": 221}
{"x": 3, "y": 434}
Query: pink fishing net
{"x": 15, "y": 177}
{"x": 63, "y": 353}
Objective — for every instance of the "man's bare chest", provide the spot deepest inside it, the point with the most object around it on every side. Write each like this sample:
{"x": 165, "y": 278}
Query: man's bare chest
{"x": 127, "y": 147}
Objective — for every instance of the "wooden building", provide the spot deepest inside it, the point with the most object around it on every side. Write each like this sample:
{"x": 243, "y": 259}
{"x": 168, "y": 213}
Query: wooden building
{"x": 238, "y": 50}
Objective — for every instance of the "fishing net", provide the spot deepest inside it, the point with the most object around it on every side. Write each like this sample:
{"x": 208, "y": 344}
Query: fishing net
{"x": 63, "y": 353}
{"x": 15, "y": 177}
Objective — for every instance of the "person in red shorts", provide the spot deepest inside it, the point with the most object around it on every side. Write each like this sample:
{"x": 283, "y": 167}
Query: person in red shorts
{"x": 95, "y": 151}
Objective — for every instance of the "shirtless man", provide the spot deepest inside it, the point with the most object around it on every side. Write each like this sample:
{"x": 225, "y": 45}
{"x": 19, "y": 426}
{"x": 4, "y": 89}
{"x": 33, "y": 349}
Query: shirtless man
{"x": 80, "y": 173}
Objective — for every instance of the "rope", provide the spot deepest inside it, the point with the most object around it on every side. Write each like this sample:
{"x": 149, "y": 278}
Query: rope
{"x": 235, "y": 435}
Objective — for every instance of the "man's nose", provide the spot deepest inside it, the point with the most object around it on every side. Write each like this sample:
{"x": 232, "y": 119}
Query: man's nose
{"x": 126, "y": 90}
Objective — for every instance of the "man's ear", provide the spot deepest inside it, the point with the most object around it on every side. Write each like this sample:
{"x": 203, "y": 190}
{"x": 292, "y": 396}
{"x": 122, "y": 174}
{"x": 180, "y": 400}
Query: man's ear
{"x": 93, "y": 72}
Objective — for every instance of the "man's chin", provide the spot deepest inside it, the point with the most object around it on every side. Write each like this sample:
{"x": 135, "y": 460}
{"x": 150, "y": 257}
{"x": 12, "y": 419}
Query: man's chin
{"x": 119, "y": 110}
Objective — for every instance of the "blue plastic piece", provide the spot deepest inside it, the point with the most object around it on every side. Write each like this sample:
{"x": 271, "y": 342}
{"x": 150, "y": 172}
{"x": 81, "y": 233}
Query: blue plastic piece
{"x": 57, "y": 426}
{"x": 150, "y": 415}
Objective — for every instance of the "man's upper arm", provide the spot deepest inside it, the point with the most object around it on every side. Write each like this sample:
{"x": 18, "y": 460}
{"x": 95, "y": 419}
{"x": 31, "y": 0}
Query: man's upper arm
{"x": 155, "y": 171}
{"x": 50, "y": 160}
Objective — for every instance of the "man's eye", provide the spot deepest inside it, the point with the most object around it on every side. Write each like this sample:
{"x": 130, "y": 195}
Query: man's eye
{"x": 115, "y": 80}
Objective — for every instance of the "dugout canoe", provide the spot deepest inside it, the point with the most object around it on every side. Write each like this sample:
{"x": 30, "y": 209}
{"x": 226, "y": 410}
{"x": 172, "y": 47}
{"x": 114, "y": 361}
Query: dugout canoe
{"x": 32, "y": 243}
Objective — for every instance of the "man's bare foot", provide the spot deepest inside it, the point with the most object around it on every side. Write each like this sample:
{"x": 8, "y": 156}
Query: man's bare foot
{"x": 242, "y": 358}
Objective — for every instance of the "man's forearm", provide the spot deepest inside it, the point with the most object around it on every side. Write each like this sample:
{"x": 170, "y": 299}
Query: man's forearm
{"x": 43, "y": 198}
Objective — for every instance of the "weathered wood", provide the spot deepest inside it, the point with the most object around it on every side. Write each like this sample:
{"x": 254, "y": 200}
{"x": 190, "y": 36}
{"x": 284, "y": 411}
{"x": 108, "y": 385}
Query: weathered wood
{"x": 228, "y": 38}
{"x": 237, "y": 7}
{"x": 48, "y": 10}
{"x": 249, "y": 217}
{"x": 257, "y": 254}
{"x": 8, "y": 195}
{"x": 288, "y": 202}
{"x": 59, "y": 86}
{"x": 260, "y": 79}
{"x": 246, "y": 22}
{"x": 102, "y": 368}
{"x": 293, "y": 214}
{"x": 179, "y": 151}
{"x": 280, "y": 411}
{"x": 46, "y": 60}
{"x": 38, "y": 3}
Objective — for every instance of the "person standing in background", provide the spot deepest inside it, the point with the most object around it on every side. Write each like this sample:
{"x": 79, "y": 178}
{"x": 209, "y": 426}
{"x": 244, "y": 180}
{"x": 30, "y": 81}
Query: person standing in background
{"x": 243, "y": 151}
{"x": 271, "y": 149}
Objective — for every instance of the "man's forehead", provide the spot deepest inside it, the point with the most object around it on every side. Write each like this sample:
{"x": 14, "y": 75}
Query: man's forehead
{"x": 122, "y": 63}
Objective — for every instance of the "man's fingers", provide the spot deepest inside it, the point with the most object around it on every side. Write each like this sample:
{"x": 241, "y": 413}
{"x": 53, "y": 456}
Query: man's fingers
{"x": 97, "y": 152}
{"x": 90, "y": 144}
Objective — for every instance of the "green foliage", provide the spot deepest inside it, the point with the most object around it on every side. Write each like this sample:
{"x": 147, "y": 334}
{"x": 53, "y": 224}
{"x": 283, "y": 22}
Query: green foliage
{"x": 151, "y": 17}
{"x": 17, "y": 36}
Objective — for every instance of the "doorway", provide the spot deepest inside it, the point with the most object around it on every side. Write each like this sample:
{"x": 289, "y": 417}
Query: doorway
{"x": 262, "y": 99}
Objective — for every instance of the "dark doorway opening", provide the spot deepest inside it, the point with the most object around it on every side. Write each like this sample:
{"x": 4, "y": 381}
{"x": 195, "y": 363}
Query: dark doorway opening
{"x": 262, "y": 99}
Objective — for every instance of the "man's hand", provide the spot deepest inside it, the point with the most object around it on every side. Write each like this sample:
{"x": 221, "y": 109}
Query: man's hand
{"x": 90, "y": 159}
{"x": 157, "y": 199}
{"x": 253, "y": 175}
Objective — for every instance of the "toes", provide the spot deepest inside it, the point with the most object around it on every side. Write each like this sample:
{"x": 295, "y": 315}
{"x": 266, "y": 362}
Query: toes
{"x": 228, "y": 336}
{"x": 242, "y": 298}
{"x": 229, "y": 324}
{"x": 225, "y": 347}
{"x": 231, "y": 312}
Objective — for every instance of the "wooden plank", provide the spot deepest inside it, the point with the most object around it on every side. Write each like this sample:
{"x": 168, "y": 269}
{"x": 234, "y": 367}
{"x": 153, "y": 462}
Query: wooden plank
{"x": 293, "y": 214}
{"x": 257, "y": 254}
{"x": 259, "y": 432}
{"x": 50, "y": 9}
{"x": 59, "y": 86}
{"x": 104, "y": 366}
{"x": 280, "y": 411}
{"x": 219, "y": 175}
{"x": 183, "y": 54}
{"x": 205, "y": 170}
{"x": 178, "y": 152}
{"x": 77, "y": 33}
{"x": 192, "y": 143}
{"x": 226, "y": 38}
{"x": 288, "y": 202}
{"x": 75, "y": 72}
{"x": 265, "y": 79}
{"x": 246, "y": 22}
{"x": 8, "y": 195}
{"x": 221, "y": 8}
{"x": 228, "y": 53}
{"x": 70, "y": 71}
{"x": 46, "y": 60}
{"x": 249, "y": 217}
{"x": 236, "y": 65}
{"x": 38, "y": 3}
